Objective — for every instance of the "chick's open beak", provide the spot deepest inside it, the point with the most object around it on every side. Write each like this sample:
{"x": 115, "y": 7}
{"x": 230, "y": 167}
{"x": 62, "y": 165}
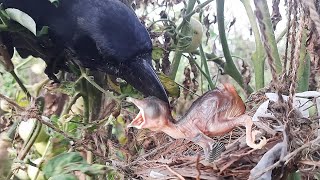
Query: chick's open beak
{"x": 139, "y": 120}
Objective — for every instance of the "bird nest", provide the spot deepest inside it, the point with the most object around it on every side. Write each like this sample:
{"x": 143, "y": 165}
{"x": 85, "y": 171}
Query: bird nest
{"x": 292, "y": 149}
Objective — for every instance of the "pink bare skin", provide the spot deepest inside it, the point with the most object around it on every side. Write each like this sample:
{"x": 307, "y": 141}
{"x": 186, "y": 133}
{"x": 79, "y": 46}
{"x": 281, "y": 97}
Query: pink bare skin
{"x": 215, "y": 113}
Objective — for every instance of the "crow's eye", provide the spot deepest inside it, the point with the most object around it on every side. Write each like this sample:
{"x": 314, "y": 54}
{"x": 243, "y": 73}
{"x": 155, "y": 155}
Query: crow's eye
{"x": 152, "y": 110}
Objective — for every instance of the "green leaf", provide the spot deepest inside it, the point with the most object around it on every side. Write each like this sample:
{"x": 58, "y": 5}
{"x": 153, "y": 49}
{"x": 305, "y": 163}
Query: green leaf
{"x": 113, "y": 85}
{"x": 63, "y": 177}
{"x": 22, "y": 18}
{"x": 157, "y": 53}
{"x": 56, "y": 165}
{"x": 294, "y": 176}
{"x": 119, "y": 130}
{"x": 89, "y": 169}
{"x": 169, "y": 84}
{"x": 128, "y": 90}
{"x": 266, "y": 29}
{"x": 67, "y": 87}
{"x": 71, "y": 123}
{"x": 303, "y": 73}
{"x": 66, "y": 163}
{"x": 21, "y": 99}
{"x": 59, "y": 145}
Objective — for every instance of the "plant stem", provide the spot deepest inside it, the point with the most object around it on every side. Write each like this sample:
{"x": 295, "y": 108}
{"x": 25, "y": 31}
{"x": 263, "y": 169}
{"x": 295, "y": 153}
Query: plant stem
{"x": 281, "y": 35}
{"x": 42, "y": 159}
{"x": 31, "y": 139}
{"x": 86, "y": 112}
{"x": 160, "y": 20}
{"x": 100, "y": 88}
{"x": 206, "y": 68}
{"x": 84, "y": 75}
{"x": 230, "y": 67}
{"x": 202, "y": 72}
{"x": 71, "y": 102}
{"x": 259, "y": 54}
{"x": 175, "y": 64}
{"x": 89, "y": 161}
{"x": 212, "y": 57}
{"x": 8, "y": 65}
{"x": 204, "y": 60}
{"x": 26, "y": 61}
{"x": 304, "y": 65}
{"x": 184, "y": 31}
{"x": 10, "y": 134}
{"x": 39, "y": 103}
{"x": 198, "y": 8}
{"x": 258, "y": 66}
{"x": 267, "y": 32}
{"x": 24, "y": 89}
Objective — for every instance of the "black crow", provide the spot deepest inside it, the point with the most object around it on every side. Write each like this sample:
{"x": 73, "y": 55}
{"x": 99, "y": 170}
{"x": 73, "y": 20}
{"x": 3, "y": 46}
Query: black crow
{"x": 103, "y": 35}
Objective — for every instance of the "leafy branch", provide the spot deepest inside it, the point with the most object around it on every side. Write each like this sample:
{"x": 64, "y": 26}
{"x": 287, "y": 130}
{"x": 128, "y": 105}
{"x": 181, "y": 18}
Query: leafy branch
{"x": 184, "y": 31}
{"x": 184, "y": 27}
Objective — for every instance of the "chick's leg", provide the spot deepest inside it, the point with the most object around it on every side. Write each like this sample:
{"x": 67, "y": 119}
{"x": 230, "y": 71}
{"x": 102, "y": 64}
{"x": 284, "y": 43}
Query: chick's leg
{"x": 211, "y": 149}
{"x": 251, "y": 135}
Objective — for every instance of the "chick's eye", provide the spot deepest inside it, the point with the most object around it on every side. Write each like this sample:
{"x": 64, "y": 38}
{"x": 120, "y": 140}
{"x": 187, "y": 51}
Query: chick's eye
{"x": 152, "y": 110}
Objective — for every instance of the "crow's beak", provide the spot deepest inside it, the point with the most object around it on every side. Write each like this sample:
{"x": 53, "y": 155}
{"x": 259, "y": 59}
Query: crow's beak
{"x": 141, "y": 76}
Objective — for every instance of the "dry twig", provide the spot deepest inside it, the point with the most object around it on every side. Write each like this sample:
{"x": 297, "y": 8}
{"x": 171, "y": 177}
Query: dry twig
{"x": 14, "y": 104}
{"x": 173, "y": 172}
{"x": 288, "y": 157}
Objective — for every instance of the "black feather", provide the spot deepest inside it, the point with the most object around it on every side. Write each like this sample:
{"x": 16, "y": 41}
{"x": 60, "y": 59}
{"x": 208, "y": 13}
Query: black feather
{"x": 103, "y": 35}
